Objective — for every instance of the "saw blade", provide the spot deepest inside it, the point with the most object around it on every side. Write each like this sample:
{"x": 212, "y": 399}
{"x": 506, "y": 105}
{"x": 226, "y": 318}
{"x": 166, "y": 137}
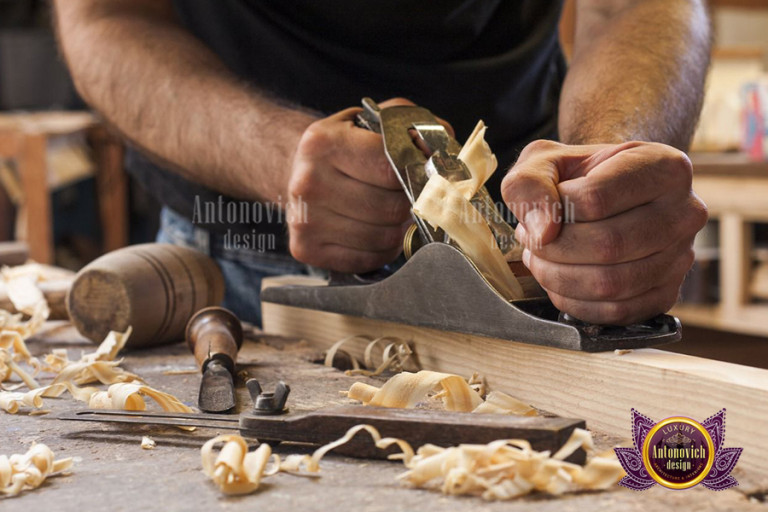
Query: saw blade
{"x": 217, "y": 389}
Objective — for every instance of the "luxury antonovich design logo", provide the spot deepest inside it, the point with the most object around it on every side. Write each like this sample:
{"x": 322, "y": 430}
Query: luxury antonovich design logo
{"x": 678, "y": 453}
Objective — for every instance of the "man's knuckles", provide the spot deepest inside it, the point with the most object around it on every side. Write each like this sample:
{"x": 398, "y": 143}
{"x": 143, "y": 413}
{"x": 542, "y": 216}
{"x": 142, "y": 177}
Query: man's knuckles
{"x": 317, "y": 141}
{"x": 540, "y": 148}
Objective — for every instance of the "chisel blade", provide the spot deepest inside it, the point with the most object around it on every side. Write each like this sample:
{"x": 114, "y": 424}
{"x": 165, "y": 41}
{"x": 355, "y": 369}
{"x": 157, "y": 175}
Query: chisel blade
{"x": 217, "y": 389}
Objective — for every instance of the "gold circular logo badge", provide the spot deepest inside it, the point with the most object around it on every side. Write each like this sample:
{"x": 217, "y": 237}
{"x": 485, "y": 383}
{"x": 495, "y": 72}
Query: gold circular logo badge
{"x": 678, "y": 452}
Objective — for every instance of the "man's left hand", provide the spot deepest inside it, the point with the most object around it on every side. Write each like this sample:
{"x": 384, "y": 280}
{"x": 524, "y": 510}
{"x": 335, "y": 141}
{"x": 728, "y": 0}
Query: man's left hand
{"x": 608, "y": 229}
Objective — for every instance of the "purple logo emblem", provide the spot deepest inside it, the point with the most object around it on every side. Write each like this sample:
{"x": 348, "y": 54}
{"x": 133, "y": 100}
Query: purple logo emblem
{"x": 678, "y": 453}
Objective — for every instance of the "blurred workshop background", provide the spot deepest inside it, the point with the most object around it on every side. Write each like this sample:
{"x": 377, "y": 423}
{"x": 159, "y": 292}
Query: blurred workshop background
{"x": 63, "y": 190}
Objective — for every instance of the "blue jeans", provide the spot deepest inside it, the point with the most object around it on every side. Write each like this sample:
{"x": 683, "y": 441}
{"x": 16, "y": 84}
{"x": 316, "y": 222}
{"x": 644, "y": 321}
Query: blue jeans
{"x": 243, "y": 269}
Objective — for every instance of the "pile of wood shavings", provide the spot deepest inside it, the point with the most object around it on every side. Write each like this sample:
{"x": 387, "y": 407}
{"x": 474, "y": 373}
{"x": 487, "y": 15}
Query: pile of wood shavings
{"x": 395, "y": 354}
{"x": 501, "y": 470}
{"x": 25, "y": 472}
{"x": 126, "y": 389}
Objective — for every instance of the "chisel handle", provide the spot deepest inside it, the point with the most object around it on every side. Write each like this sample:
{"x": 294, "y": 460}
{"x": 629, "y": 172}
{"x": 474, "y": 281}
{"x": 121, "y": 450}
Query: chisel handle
{"x": 214, "y": 333}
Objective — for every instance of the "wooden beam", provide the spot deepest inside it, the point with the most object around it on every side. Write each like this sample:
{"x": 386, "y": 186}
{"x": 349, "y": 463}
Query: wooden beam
{"x": 33, "y": 171}
{"x": 112, "y": 188}
{"x": 601, "y": 387}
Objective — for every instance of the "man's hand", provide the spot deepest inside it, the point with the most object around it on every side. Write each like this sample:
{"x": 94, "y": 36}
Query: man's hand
{"x": 623, "y": 256}
{"x": 348, "y": 211}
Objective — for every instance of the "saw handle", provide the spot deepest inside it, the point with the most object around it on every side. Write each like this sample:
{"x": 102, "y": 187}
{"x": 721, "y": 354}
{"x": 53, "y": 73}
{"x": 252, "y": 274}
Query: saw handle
{"x": 214, "y": 333}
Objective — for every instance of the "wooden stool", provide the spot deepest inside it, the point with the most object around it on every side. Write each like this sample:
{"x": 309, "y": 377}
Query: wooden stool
{"x": 24, "y": 139}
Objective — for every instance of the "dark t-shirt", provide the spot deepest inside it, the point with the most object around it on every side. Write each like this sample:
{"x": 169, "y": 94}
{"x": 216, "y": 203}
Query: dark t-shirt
{"x": 465, "y": 60}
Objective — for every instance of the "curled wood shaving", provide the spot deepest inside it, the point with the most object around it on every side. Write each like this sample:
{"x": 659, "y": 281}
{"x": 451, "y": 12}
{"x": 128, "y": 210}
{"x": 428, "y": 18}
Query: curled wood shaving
{"x": 442, "y": 205}
{"x": 394, "y": 355}
{"x": 129, "y": 396}
{"x": 235, "y": 470}
{"x": 28, "y": 471}
{"x": 447, "y": 205}
{"x": 14, "y": 330}
{"x": 26, "y": 297}
{"x": 336, "y": 349}
{"x": 11, "y": 401}
{"x": 479, "y": 159}
{"x": 498, "y": 402}
{"x": 99, "y": 365}
{"x": 8, "y": 366}
{"x": 106, "y": 372}
{"x": 406, "y": 389}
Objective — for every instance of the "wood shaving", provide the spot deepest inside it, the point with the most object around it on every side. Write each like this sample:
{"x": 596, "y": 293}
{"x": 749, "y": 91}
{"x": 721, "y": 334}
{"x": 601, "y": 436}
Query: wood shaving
{"x": 442, "y": 205}
{"x": 8, "y": 367}
{"x": 28, "y": 471}
{"x": 406, "y": 390}
{"x": 129, "y": 396}
{"x": 35, "y": 271}
{"x": 235, "y": 470}
{"x": 395, "y": 354}
{"x": 447, "y": 205}
{"x": 479, "y": 159}
{"x": 147, "y": 443}
{"x": 500, "y": 470}
{"x": 126, "y": 391}
{"x": 11, "y": 401}
{"x": 510, "y": 468}
{"x": 106, "y": 372}
{"x": 498, "y": 402}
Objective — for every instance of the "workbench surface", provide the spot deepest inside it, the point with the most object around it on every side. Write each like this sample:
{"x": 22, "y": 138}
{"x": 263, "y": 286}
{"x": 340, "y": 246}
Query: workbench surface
{"x": 113, "y": 472}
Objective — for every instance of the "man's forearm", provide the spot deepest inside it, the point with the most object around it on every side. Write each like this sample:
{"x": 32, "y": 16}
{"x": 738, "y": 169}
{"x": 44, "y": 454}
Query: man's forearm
{"x": 168, "y": 93}
{"x": 637, "y": 73}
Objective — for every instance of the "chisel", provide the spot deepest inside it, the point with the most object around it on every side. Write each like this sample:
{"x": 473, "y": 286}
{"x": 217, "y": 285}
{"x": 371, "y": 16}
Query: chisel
{"x": 214, "y": 335}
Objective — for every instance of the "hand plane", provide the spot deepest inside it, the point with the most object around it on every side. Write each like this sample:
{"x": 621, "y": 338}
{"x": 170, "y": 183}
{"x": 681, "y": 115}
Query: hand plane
{"x": 439, "y": 287}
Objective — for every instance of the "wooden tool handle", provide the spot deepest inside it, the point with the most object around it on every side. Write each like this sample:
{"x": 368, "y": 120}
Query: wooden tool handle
{"x": 214, "y": 333}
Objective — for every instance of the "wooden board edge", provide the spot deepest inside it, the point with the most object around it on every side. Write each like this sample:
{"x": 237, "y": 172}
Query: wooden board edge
{"x": 602, "y": 388}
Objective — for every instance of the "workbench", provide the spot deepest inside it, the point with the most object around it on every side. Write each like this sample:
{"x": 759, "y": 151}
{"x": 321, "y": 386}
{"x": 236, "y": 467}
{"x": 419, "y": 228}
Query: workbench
{"x": 113, "y": 472}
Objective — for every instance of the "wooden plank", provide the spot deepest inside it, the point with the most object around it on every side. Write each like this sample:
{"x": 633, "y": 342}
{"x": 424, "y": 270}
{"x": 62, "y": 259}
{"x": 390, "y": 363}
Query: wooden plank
{"x": 601, "y": 388}
{"x": 10, "y": 141}
{"x": 727, "y": 165}
{"x": 749, "y": 319}
{"x": 735, "y": 261}
{"x": 13, "y": 253}
{"x": 733, "y": 194}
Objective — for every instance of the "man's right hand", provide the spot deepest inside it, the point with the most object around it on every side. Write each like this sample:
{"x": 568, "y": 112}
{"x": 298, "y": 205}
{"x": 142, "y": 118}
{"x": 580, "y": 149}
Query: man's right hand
{"x": 348, "y": 212}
